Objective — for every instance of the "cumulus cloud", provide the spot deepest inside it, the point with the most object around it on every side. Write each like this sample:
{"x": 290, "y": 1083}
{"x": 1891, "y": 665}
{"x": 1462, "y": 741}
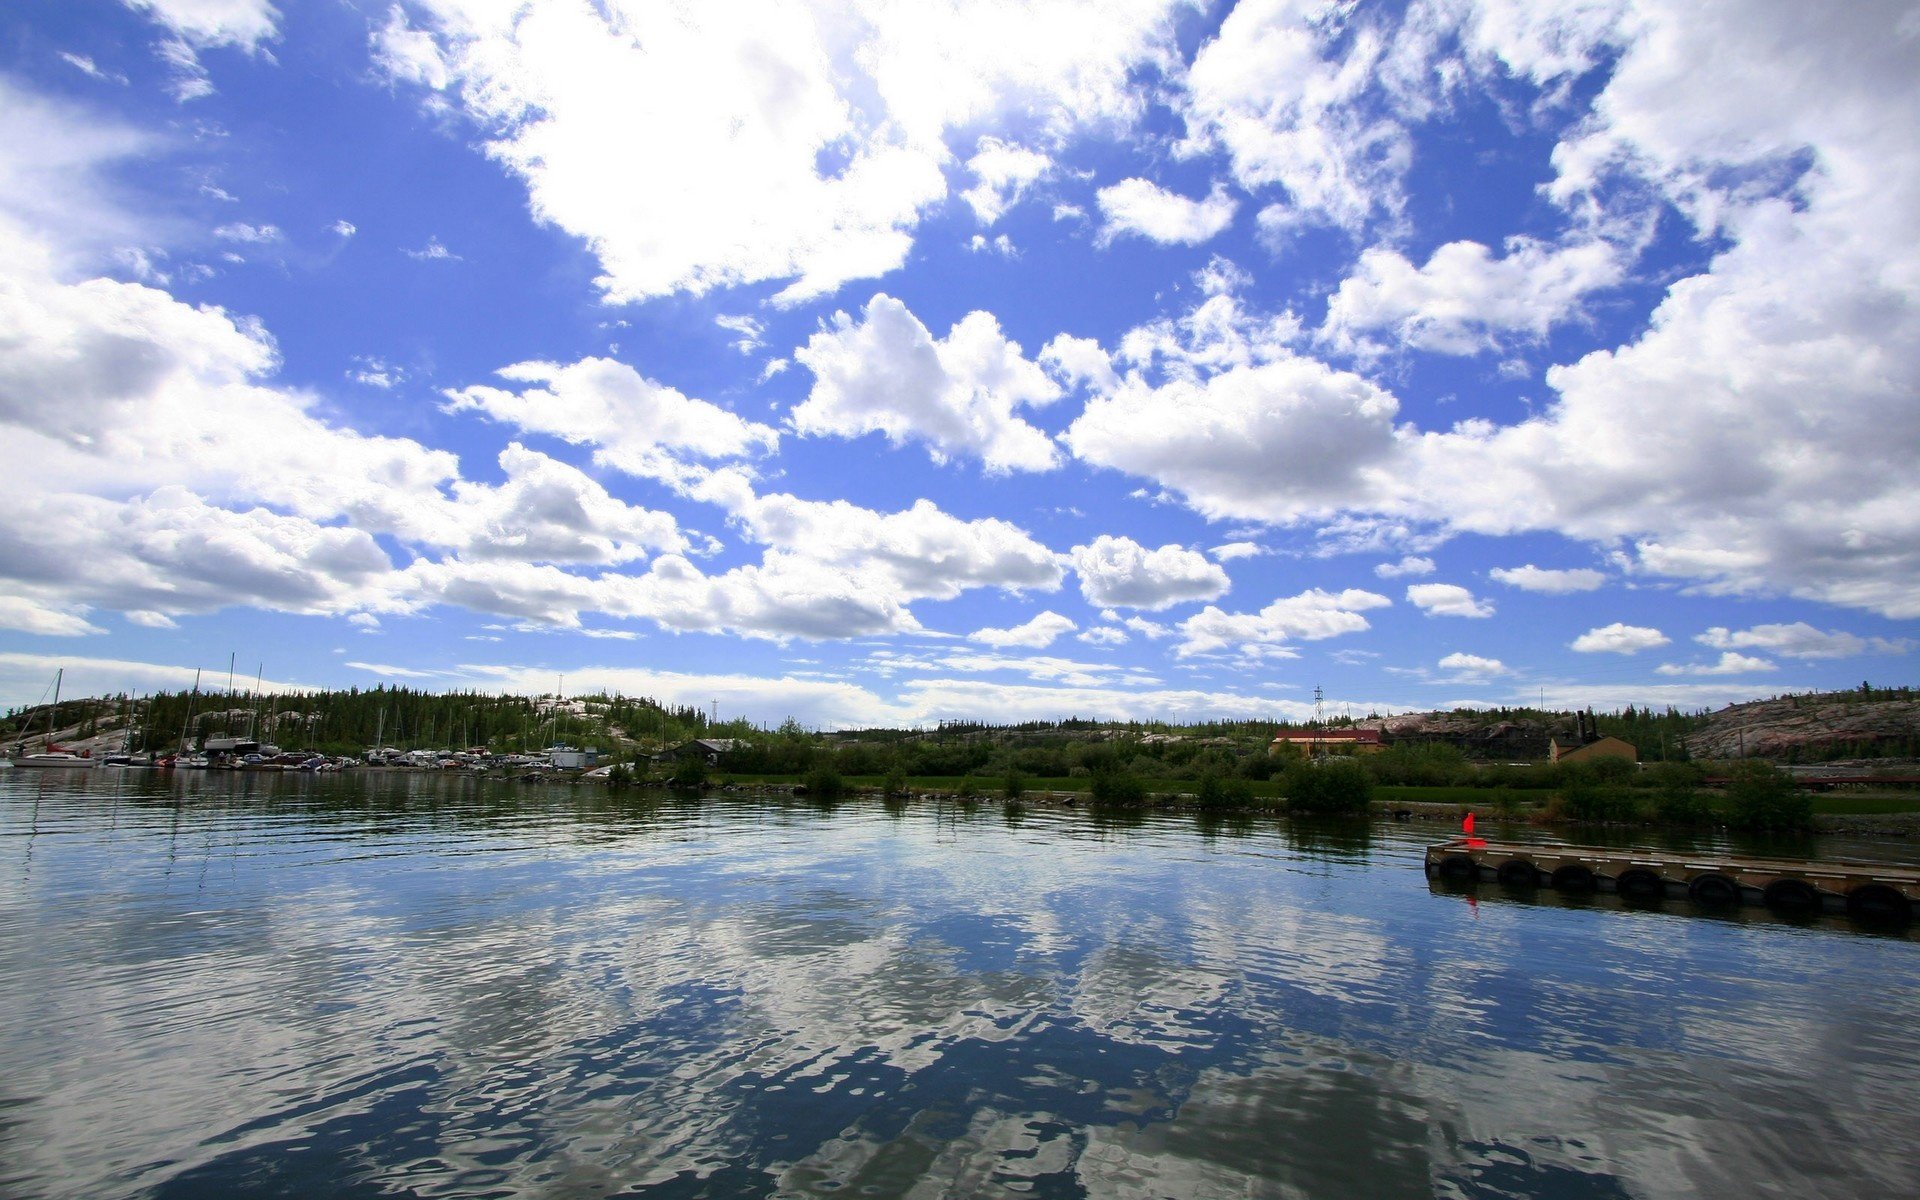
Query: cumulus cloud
{"x": 1282, "y": 88}
{"x": 958, "y": 395}
{"x": 1118, "y": 572}
{"x": 1412, "y": 564}
{"x": 1140, "y": 208}
{"x": 1729, "y": 663}
{"x": 1003, "y": 173}
{"x": 1619, "y": 638}
{"x": 918, "y": 553}
{"x": 1312, "y": 615}
{"x": 1472, "y": 666}
{"x": 1447, "y": 600}
{"x": 806, "y": 141}
{"x": 634, "y": 424}
{"x": 1762, "y": 128}
{"x": 1036, "y": 634}
{"x": 1542, "y": 579}
{"x": 1464, "y": 301}
{"x": 1282, "y": 439}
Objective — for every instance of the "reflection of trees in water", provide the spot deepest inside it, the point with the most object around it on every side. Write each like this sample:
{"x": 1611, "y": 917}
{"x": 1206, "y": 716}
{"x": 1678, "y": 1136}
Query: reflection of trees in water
{"x": 1329, "y": 837}
{"x": 1213, "y": 825}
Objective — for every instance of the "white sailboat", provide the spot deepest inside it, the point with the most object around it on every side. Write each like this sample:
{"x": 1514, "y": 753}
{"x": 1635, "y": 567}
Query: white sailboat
{"x": 51, "y": 755}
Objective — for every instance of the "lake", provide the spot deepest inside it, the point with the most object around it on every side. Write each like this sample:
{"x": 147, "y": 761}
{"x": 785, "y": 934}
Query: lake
{"x": 387, "y": 984}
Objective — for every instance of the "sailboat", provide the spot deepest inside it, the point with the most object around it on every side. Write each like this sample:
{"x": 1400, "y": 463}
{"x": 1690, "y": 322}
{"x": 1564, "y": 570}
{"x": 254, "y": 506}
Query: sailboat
{"x": 51, "y": 755}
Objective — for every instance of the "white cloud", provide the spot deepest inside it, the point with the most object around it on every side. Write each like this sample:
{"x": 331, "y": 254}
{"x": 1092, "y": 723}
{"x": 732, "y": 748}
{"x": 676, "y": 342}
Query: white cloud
{"x": 1473, "y": 666}
{"x": 343, "y": 228}
{"x": 1238, "y": 550}
{"x": 1412, "y": 564}
{"x": 918, "y": 553}
{"x": 1730, "y": 663}
{"x": 1800, "y": 640}
{"x": 433, "y": 251}
{"x": 1079, "y": 361}
{"x": 1036, "y": 634}
{"x": 1003, "y": 172}
{"x": 634, "y": 424}
{"x": 804, "y": 141}
{"x": 1001, "y": 245}
{"x": 1103, "y": 635}
{"x": 29, "y": 616}
{"x": 189, "y": 80}
{"x": 208, "y": 23}
{"x": 548, "y": 512}
{"x": 1312, "y": 615}
{"x": 86, "y": 66}
{"x": 1275, "y": 441}
{"x": 1144, "y": 209}
{"x": 1447, "y": 600}
{"x": 1541, "y": 579}
{"x": 1151, "y": 630}
{"x": 1464, "y": 301}
{"x": 1619, "y": 638}
{"x": 151, "y": 620}
{"x": 749, "y": 332}
{"x": 958, "y": 395}
{"x": 1282, "y": 89}
{"x": 253, "y": 235}
{"x": 1120, "y": 572}
{"x": 1768, "y": 134}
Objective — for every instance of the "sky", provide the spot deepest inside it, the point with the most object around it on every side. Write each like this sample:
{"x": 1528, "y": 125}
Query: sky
{"x": 885, "y": 362}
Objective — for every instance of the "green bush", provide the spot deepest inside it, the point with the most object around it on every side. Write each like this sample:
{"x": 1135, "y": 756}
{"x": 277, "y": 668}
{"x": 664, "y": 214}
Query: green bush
{"x": 1223, "y": 791}
{"x": 895, "y": 784}
{"x": 689, "y": 772}
{"x": 1761, "y": 796}
{"x": 1587, "y": 801}
{"x": 620, "y": 775}
{"x": 1013, "y": 786}
{"x": 824, "y": 783}
{"x": 1331, "y": 785}
{"x": 1261, "y": 766}
{"x": 969, "y": 789}
{"x": 1117, "y": 787}
{"x": 1676, "y": 794}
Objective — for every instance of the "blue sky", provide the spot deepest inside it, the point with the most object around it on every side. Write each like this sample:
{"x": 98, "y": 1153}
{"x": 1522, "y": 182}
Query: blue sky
{"x": 880, "y": 363}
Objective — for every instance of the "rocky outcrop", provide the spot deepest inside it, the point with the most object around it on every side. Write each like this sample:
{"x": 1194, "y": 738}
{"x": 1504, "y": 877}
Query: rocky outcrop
{"x": 1811, "y": 727}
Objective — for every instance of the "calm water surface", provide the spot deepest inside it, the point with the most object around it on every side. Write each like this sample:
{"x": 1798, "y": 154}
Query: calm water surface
{"x": 403, "y": 985}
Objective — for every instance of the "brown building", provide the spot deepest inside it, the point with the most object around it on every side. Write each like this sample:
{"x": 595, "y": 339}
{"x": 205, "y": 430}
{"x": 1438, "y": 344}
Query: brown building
{"x": 1606, "y": 747}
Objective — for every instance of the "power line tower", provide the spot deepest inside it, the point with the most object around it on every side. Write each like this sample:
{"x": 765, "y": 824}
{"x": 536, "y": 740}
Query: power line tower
{"x": 1318, "y": 749}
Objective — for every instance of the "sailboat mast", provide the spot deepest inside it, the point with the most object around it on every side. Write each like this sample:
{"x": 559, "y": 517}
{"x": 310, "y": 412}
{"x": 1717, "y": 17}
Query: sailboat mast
{"x": 53, "y": 714}
{"x": 253, "y": 705}
{"x": 192, "y": 703}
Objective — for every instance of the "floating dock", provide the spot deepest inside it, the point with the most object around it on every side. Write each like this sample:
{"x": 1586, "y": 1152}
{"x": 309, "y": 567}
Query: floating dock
{"x": 1881, "y": 893}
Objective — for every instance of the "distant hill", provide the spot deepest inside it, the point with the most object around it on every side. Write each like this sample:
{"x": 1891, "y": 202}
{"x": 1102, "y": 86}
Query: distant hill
{"x": 1819, "y": 727}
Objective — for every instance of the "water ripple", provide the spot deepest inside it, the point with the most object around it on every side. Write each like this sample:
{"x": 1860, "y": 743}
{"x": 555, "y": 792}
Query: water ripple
{"x": 415, "y": 986}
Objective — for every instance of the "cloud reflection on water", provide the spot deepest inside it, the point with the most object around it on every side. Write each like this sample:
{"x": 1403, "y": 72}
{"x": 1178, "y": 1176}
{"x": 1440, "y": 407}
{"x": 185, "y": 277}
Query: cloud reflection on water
{"x": 446, "y": 990}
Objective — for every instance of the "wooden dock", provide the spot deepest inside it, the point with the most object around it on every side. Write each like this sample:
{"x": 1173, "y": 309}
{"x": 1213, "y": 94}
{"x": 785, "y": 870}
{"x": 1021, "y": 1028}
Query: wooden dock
{"x": 1881, "y": 893}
